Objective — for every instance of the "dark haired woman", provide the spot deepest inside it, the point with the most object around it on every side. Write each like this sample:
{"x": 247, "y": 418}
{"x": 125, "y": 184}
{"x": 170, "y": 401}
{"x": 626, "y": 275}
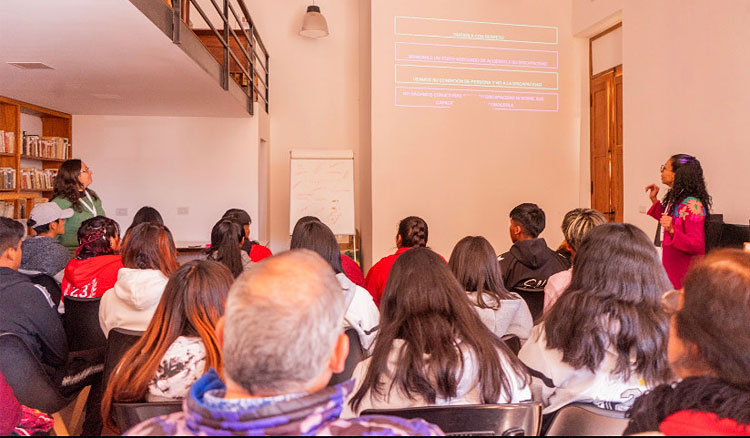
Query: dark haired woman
{"x": 432, "y": 348}
{"x": 180, "y": 343}
{"x": 604, "y": 341}
{"x": 227, "y": 238}
{"x": 709, "y": 349}
{"x": 474, "y": 264}
{"x": 361, "y": 313}
{"x": 94, "y": 269}
{"x": 149, "y": 258}
{"x": 412, "y": 232}
{"x": 71, "y": 191}
{"x": 146, "y": 214}
{"x": 682, "y": 214}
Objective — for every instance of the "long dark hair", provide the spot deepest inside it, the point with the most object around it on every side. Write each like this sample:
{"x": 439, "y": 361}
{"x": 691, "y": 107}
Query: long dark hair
{"x": 424, "y": 305}
{"x": 94, "y": 237}
{"x": 226, "y": 237}
{"x": 614, "y": 300}
{"x": 146, "y": 214}
{"x": 192, "y": 304}
{"x": 67, "y": 185}
{"x": 316, "y": 236}
{"x": 150, "y": 246}
{"x": 474, "y": 263}
{"x": 688, "y": 182}
{"x": 716, "y": 314}
{"x": 413, "y": 231}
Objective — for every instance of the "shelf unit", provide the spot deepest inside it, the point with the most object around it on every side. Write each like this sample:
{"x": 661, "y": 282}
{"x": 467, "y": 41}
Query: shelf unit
{"x": 54, "y": 124}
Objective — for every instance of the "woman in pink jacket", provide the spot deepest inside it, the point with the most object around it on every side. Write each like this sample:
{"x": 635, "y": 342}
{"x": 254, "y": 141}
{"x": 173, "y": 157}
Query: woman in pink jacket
{"x": 682, "y": 214}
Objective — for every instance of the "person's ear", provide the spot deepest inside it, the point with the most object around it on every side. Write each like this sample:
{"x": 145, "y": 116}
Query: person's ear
{"x": 337, "y": 362}
{"x": 399, "y": 241}
{"x": 220, "y": 332}
{"x": 242, "y": 242}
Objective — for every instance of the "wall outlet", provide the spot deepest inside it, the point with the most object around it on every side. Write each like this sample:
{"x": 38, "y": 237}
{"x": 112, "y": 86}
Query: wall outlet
{"x": 183, "y": 211}
{"x": 121, "y": 212}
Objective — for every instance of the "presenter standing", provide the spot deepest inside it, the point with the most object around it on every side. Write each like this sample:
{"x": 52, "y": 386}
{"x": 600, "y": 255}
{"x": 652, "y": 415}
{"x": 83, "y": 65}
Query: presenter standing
{"x": 71, "y": 191}
{"x": 682, "y": 214}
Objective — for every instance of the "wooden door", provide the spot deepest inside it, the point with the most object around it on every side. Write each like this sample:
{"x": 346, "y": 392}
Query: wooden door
{"x": 606, "y": 144}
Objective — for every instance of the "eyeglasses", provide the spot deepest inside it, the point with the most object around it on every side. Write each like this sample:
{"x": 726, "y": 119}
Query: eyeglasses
{"x": 670, "y": 301}
{"x": 87, "y": 170}
{"x": 663, "y": 168}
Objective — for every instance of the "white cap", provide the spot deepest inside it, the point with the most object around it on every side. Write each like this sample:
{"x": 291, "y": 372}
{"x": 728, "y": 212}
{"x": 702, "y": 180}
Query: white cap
{"x": 49, "y": 212}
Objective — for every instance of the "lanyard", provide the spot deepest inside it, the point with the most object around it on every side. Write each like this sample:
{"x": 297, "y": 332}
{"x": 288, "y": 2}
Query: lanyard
{"x": 92, "y": 207}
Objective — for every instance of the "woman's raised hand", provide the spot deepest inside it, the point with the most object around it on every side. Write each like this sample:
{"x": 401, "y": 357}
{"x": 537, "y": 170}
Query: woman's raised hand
{"x": 652, "y": 190}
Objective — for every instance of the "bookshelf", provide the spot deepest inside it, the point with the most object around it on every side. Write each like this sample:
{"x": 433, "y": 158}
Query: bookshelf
{"x": 27, "y": 174}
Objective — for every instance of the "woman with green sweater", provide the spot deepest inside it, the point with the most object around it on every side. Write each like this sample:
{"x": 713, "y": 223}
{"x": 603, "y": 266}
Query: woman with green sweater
{"x": 71, "y": 191}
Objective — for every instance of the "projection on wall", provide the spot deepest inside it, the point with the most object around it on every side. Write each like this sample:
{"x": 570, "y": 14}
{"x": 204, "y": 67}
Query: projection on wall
{"x": 441, "y": 63}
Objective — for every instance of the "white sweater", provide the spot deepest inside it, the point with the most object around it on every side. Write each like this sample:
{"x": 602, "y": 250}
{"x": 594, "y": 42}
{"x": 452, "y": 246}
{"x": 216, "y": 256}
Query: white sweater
{"x": 557, "y": 384}
{"x": 513, "y": 316}
{"x": 468, "y": 391}
{"x": 361, "y": 312}
{"x": 131, "y": 303}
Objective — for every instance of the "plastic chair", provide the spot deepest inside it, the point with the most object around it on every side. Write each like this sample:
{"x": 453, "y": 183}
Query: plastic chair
{"x": 513, "y": 342}
{"x": 81, "y": 322}
{"x": 356, "y": 355}
{"x": 127, "y": 415}
{"x": 516, "y": 419}
{"x": 118, "y": 343}
{"x": 30, "y": 382}
{"x": 582, "y": 419}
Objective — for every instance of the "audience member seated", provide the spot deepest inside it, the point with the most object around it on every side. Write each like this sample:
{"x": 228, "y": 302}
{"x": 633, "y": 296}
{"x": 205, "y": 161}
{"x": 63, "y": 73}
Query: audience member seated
{"x": 529, "y": 263}
{"x": 605, "y": 339}
{"x": 709, "y": 349}
{"x": 255, "y": 250}
{"x": 19, "y": 420}
{"x": 27, "y": 309}
{"x": 149, "y": 257}
{"x": 578, "y": 223}
{"x": 432, "y": 348}
{"x": 226, "y": 246}
{"x": 412, "y": 232}
{"x": 179, "y": 345}
{"x": 146, "y": 214}
{"x": 351, "y": 268}
{"x": 43, "y": 252}
{"x": 474, "y": 264}
{"x": 361, "y": 314}
{"x": 282, "y": 339}
{"x": 94, "y": 269}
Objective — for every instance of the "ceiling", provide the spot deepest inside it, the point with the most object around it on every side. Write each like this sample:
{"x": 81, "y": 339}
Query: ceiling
{"x": 108, "y": 59}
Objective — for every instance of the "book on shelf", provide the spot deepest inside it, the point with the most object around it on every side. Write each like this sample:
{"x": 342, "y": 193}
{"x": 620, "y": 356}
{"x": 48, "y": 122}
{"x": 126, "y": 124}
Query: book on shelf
{"x": 54, "y": 148}
{"x": 35, "y": 179}
{"x": 7, "y": 178}
{"x": 6, "y": 209}
{"x": 7, "y": 142}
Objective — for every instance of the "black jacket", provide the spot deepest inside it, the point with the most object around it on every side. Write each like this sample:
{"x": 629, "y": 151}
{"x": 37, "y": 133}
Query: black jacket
{"x": 27, "y": 310}
{"x": 529, "y": 264}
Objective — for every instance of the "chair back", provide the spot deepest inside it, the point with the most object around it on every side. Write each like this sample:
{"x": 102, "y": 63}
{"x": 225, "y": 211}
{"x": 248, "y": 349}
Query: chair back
{"x": 81, "y": 322}
{"x": 49, "y": 283}
{"x": 513, "y": 342}
{"x": 127, "y": 415}
{"x": 26, "y": 375}
{"x": 534, "y": 299}
{"x": 356, "y": 355}
{"x": 582, "y": 419}
{"x": 513, "y": 419}
{"x": 118, "y": 343}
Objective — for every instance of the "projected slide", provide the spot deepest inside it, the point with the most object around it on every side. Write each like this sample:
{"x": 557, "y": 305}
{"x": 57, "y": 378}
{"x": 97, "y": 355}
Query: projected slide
{"x": 440, "y": 63}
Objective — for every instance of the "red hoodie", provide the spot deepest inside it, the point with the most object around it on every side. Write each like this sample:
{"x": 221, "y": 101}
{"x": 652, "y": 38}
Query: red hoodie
{"x": 92, "y": 277}
{"x": 377, "y": 276}
{"x": 687, "y": 423}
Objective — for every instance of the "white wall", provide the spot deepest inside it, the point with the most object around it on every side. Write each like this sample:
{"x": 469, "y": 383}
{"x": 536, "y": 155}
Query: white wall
{"x": 463, "y": 169}
{"x": 206, "y": 164}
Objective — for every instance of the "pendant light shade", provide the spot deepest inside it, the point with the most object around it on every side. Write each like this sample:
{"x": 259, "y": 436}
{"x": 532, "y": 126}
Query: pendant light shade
{"x": 314, "y": 25}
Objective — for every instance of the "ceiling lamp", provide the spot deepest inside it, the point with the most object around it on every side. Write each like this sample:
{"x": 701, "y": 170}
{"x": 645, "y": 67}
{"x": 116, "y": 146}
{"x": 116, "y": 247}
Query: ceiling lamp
{"x": 314, "y": 25}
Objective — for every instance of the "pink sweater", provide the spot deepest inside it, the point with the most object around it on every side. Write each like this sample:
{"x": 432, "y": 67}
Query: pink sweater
{"x": 688, "y": 241}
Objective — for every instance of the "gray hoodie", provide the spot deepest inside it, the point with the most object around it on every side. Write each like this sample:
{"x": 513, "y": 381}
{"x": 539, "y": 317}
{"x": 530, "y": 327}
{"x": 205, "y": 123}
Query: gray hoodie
{"x": 44, "y": 254}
